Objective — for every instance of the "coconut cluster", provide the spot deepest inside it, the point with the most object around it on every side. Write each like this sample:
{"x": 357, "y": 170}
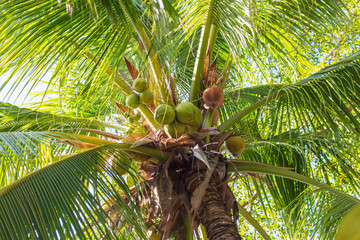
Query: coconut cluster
{"x": 132, "y": 118}
{"x": 145, "y": 96}
{"x": 213, "y": 98}
{"x": 175, "y": 120}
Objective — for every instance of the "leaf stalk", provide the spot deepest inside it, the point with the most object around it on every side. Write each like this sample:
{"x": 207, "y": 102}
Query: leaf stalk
{"x": 201, "y": 54}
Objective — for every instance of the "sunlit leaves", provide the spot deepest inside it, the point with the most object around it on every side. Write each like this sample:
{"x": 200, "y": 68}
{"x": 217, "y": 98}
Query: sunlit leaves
{"x": 71, "y": 194}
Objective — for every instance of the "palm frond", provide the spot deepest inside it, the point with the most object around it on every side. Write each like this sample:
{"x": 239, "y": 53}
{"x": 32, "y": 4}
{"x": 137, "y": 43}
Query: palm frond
{"x": 15, "y": 119}
{"x": 265, "y": 38}
{"x": 296, "y": 202}
{"x": 327, "y": 99}
{"x": 313, "y": 155}
{"x": 30, "y": 140}
{"x": 326, "y": 211}
{"x": 57, "y": 44}
{"x": 68, "y": 198}
{"x": 250, "y": 166}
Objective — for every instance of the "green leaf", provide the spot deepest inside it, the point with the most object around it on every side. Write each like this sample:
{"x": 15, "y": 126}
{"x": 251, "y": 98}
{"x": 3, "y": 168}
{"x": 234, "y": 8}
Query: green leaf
{"x": 249, "y": 166}
{"x": 67, "y": 199}
{"x": 253, "y": 222}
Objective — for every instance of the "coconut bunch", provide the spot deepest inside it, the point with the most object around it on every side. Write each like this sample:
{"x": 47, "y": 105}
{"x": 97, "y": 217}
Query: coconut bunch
{"x": 144, "y": 96}
{"x": 176, "y": 120}
{"x": 213, "y": 99}
{"x": 185, "y": 137}
{"x": 185, "y": 116}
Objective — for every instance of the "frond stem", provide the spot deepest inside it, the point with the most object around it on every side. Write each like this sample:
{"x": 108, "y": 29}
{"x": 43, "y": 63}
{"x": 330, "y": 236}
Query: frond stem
{"x": 208, "y": 121}
{"x": 212, "y": 39}
{"x": 253, "y": 222}
{"x": 155, "y": 66}
{"x": 149, "y": 117}
{"x": 188, "y": 228}
{"x": 160, "y": 155}
{"x": 237, "y": 117}
{"x": 201, "y": 54}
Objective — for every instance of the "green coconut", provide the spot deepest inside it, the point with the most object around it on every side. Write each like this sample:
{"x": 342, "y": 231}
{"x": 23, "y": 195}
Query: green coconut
{"x": 175, "y": 129}
{"x": 134, "y": 118}
{"x": 349, "y": 225}
{"x": 164, "y": 114}
{"x": 235, "y": 145}
{"x": 186, "y": 112}
{"x": 146, "y": 97}
{"x": 198, "y": 118}
{"x": 132, "y": 101}
{"x": 137, "y": 116}
{"x": 139, "y": 84}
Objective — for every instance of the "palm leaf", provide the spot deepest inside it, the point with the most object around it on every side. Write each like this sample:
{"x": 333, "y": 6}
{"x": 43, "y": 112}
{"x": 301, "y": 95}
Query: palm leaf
{"x": 29, "y": 139}
{"x": 292, "y": 199}
{"x": 13, "y": 118}
{"x": 253, "y": 222}
{"x": 65, "y": 199}
{"x": 320, "y": 100}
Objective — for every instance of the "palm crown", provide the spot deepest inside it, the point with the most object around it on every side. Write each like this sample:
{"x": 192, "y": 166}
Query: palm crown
{"x": 81, "y": 164}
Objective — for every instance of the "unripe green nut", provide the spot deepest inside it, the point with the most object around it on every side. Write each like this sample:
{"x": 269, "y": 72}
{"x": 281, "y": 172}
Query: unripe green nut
{"x": 349, "y": 225}
{"x": 235, "y": 145}
{"x": 164, "y": 114}
{"x": 198, "y": 118}
{"x": 137, "y": 117}
{"x": 139, "y": 84}
{"x": 186, "y": 112}
{"x": 175, "y": 129}
{"x": 146, "y": 97}
{"x": 133, "y": 101}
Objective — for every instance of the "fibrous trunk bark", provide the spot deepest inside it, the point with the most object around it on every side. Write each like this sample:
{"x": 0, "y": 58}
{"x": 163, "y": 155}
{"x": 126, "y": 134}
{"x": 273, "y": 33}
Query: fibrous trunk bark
{"x": 215, "y": 218}
{"x": 214, "y": 211}
{"x": 193, "y": 183}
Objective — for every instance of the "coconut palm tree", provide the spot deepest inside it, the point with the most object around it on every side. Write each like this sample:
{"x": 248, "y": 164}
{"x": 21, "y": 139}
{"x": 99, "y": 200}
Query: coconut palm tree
{"x": 177, "y": 119}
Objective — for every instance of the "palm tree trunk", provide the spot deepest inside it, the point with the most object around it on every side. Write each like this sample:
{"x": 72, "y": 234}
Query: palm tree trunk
{"x": 215, "y": 218}
{"x": 214, "y": 212}
{"x": 198, "y": 189}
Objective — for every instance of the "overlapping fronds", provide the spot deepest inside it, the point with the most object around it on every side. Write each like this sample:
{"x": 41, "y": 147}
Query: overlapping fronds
{"x": 311, "y": 127}
{"x": 90, "y": 37}
{"x": 300, "y": 206}
{"x": 31, "y": 139}
{"x": 23, "y": 153}
{"x": 265, "y": 38}
{"x": 15, "y": 119}
{"x": 327, "y": 100}
{"x": 60, "y": 37}
{"x": 326, "y": 210}
{"x": 72, "y": 198}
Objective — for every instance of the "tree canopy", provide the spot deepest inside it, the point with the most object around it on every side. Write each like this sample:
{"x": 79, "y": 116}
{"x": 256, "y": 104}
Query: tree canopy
{"x": 75, "y": 161}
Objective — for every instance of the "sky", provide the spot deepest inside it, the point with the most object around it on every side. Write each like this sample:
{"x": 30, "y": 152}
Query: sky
{"x": 21, "y": 95}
